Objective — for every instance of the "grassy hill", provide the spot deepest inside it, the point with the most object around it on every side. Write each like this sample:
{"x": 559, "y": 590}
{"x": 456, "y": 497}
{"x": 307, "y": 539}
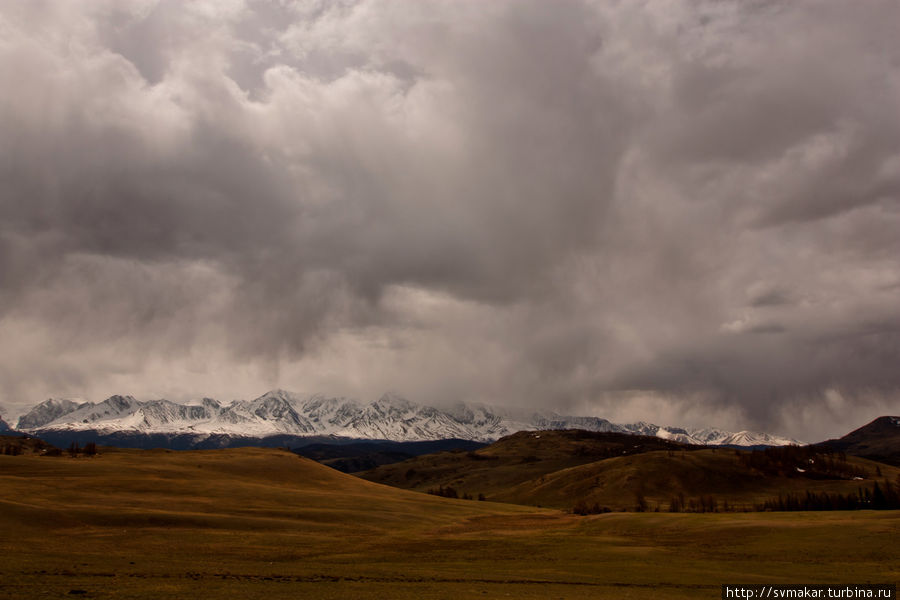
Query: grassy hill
{"x": 250, "y": 488}
{"x": 878, "y": 440}
{"x": 368, "y": 454}
{"x": 260, "y": 523}
{"x": 22, "y": 444}
{"x": 516, "y": 459}
{"x": 562, "y": 469}
{"x": 683, "y": 480}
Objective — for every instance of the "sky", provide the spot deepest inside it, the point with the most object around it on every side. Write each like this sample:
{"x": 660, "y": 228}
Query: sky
{"x": 681, "y": 212}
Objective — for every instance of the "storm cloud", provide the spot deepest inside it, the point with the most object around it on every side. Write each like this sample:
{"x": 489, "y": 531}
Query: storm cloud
{"x": 684, "y": 212}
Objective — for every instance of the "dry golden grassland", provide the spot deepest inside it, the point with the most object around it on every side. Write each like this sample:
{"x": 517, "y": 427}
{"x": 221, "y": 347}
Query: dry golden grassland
{"x": 257, "y": 523}
{"x": 559, "y": 469}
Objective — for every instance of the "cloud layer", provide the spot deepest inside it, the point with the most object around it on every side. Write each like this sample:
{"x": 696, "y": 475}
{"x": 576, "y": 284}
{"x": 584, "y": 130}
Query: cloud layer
{"x": 674, "y": 211}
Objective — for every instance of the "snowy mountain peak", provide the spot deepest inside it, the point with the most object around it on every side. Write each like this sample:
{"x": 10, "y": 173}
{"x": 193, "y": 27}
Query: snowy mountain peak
{"x": 278, "y": 395}
{"x": 157, "y": 414}
{"x": 112, "y": 408}
{"x": 46, "y": 412}
{"x": 273, "y": 412}
{"x": 391, "y": 401}
{"x": 119, "y": 403}
{"x": 390, "y": 417}
{"x": 210, "y": 404}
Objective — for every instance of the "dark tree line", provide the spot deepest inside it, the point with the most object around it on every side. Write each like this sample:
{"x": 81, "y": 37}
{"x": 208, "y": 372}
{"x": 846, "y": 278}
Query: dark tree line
{"x": 90, "y": 449}
{"x": 879, "y": 497}
{"x": 449, "y": 492}
{"x": 12, "y": 450}
{"x": 801, "y": 461}
{"x": 700, "y": 504}
{"x": 583, "y": 508}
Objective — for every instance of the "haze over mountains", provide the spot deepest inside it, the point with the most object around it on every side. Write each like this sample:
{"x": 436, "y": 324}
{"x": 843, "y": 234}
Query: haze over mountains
{"x": 282, "y": 413}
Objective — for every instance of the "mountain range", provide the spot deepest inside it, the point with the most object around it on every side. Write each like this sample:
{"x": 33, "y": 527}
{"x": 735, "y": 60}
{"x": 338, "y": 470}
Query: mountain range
{"x": 285, "y": 415}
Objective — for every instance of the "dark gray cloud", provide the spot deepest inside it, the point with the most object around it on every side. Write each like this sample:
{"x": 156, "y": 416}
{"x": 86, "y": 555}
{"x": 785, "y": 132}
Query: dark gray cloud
{"x": 681, "y": 211}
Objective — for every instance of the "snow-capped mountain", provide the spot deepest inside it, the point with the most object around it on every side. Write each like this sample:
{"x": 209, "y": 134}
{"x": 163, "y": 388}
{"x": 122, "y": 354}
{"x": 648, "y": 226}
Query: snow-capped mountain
{"x": 4, "y": 426}
{"x": 47, "y": 412}
{"x": 124, "y": 409}
{"x": 708, "y": 436}
{"x": 391, "y": 417}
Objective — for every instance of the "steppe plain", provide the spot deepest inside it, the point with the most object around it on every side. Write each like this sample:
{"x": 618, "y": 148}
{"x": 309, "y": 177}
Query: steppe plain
{"x": 260, "y": 523}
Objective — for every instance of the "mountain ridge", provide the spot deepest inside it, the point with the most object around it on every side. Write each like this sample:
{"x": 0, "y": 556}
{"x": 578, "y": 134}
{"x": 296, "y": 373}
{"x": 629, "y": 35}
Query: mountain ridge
{"x": 390, "y": 417}
{"x": 879, "y": 440}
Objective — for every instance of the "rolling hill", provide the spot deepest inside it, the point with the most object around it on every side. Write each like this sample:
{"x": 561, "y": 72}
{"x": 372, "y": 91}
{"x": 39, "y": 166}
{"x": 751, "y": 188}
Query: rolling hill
{"x": 365, "y": 455}
{"x": 514, "y": 460}
{"x": 19, "y": 444}
{"x": 259, "y": 523}
{"x": 878, "y": 440}
{"x": 565, "y": 469}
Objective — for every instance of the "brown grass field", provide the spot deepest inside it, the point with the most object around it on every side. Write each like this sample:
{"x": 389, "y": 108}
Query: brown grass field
{"x": 257, "y": 523}
{"x": 557, "y": 469}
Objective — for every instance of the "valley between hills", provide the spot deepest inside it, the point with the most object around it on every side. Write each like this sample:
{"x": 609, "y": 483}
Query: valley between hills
{"x": 267, "y": 523}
